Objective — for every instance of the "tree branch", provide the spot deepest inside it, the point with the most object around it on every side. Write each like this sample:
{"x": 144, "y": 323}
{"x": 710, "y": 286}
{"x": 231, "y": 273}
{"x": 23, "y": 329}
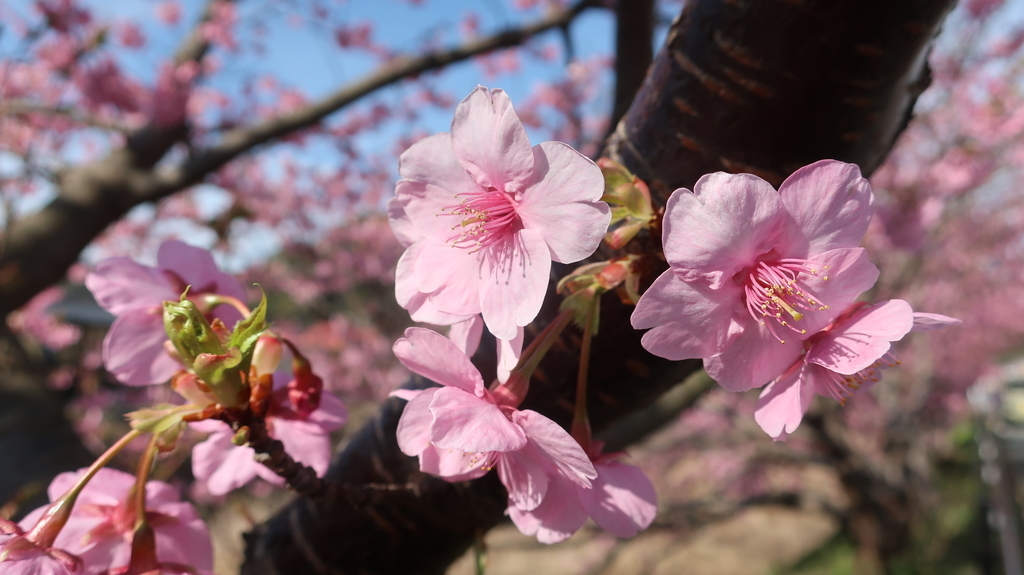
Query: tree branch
{"x": 27, "y": 108}
{"x": 634, "y": 51}
{"x": 742, "y": 86}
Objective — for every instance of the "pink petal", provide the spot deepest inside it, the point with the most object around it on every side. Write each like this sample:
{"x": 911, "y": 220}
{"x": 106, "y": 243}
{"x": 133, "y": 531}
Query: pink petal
{"x": 563, "y": 202}
{"x": 525, "y": 478}
{"x": 508, "y": 355}
{"x": 403, "y": 227}
{"x": 689, "y": 320}
{"x": 433, "y": 356}
{"x": 196, "y": 267}
{"x": 432, "y": 181}
{"x": 557, "y": 446}
{"x": 184, "y": 540}
{"x": 450, "y": 275}
{"x": 623, "y": 501}
{"x": 121, "y": 285}
{"x": 490, "y": 141}
{"x": 466, "y": 334}
{"x": 133, "y": 349}
{"x": 932, "y": 321}
{"x": 455, "y": 465}
{"x": 413, "y": 431}
{"x": 331, "y": 414}
{"x": 526, "y": 521}
{"x": 515, "y": 279}
{"x": 468, "y": 423}
{"x": 560, "y": 513}
{"x": 784, "y": 402}
{"x": 106, "y": 488}
{"x": 305, "y": 441}
{"x": 858, "y": 341}
{"x": 850, "y": 273}
{"x": 223, "y": 465}
{"x": 722, "y": 226}
{"x": 407, "y": 394}
{"x": 407, "y": 292}
{"x": 830, "y": 203}
{"x": 35, "y": 564}
{"x": 754, "y": 359}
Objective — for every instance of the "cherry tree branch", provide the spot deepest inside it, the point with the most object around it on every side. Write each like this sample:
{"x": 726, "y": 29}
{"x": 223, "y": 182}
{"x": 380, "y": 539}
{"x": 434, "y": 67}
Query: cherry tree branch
{"x": 28, "y": 108}
{"x": 761, "y": 87}
{"x": 39, "y": 248}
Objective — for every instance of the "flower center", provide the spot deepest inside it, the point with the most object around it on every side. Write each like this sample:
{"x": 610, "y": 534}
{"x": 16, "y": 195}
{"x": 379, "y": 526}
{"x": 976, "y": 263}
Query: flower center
{"x": 841, "y": 387}
{"x": 775, "y": 296}
{"x": 488, "y": 216}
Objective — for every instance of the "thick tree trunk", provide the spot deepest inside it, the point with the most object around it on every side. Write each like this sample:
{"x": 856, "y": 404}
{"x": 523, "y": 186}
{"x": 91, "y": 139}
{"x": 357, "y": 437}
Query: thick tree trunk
{"x": 742, "y": 86}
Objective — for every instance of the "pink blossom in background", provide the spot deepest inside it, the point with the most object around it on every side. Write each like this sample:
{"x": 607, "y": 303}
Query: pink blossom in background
{"x": 621, "y": 501}
{"x": 219, "y": 29}
{"x": 169, "y": 12}
{"x": 133, "y": 350}
{"x": 493, "y": 214}
{"x": 169, "y": 100}
{"x": 35, "y": 320}
{"x": 101, "y": 525}
{"x": 844, "y": 359}
{"x": 753, "y": 271}
{"x": 64, "y": 16}
{"x": 461, "y": 430}
{"x": 102, "y": 83}
{"x": 224, "y": 466}
{"x": 130, "y": 36}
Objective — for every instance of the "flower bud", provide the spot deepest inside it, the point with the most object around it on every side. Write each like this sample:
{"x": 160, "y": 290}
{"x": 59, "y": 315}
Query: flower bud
{"x": 267, "y": 355}
{"x": 189, "y": 331}
{"x": 220, "y": 371}
{"x": 305, "y": 389}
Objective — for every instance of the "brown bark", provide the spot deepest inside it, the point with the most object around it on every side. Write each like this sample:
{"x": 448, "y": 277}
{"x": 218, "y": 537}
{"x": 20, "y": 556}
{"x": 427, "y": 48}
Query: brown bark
{"x": 761, "y": 87}
{"x": 634, "y": 51}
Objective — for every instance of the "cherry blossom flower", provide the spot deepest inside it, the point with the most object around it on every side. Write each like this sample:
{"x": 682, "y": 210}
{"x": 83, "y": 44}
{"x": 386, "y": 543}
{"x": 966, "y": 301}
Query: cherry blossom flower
{"x": 28, "y": 559}
{"x": 224, "y": 466}
{"x": 490, "y": 214}
{"x": 465, "y": 331}
{"x": 754, "y": 271}
{"x": 100, "y": 528}
{"x": 622, "y": 501}
{"x": 462, "y": 430}
{"x": 840, "y": 361}
{"x": 133, "y": 349}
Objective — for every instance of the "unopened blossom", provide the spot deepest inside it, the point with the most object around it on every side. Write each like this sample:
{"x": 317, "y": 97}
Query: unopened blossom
{"x": 753, "y": 272}
{"x": 134, "y": 349}
{"x": 845, "y": 358}
{"x": 101, "y": 525}
{"x": 621, "y": 501}
{"x": 225, "y": 466}
{"x": 489, "y": 214}
{"x": 462, "y": 430}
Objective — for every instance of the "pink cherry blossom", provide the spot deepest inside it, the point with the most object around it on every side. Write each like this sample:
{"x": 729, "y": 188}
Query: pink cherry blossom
{"x": 133, "y": 349}
{"x": 101, "y": 526}
{"x": 462, "y": 430}
{"x": 32, "y": 560}
{"x": 489, "y": 214}
{"x": 225, "y": 466}
{"x": 843, "y": 359}
{"x": 622, "y": 501}
{"x": 754, "y": 271}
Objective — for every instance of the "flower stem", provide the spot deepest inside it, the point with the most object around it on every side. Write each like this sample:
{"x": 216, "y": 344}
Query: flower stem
{"x": 143, "y": 557}
{"x": 215, "y": 299}
{"x": 56, "y": 515}
{"x": 514, "y": 390}
{"x": 580, "y": 429}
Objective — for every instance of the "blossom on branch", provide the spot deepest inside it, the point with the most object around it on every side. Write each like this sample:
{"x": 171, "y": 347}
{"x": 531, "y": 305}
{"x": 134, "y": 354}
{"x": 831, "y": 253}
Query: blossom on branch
{"x": 753, "y": 271}
{"x": 622, "y": 501}
{"x": 462, "y": 430}
{"x": 134, "y": 348}
{"x": 843, "y": 359}
{"x": 487, "y": 214}
{"x": 100, "y": 528}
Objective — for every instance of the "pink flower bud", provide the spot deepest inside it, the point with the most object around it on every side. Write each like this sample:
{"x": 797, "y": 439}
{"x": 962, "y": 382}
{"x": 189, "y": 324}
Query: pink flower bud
{"x": 267, "y": 355}
{"x": 305, "y": 388}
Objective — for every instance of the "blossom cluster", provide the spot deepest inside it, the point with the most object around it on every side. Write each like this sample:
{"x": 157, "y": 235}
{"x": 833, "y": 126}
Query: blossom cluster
{"x": 763, "y": 285}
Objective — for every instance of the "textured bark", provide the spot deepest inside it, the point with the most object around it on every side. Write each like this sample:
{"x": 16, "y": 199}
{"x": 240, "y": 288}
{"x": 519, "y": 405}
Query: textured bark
{"x": 634, "y": 51}
{"x": 761, "y": 87}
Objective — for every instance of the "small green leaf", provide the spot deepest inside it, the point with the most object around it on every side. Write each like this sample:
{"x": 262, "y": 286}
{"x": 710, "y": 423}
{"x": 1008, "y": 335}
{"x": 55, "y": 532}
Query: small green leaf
{"x": 164, "y": 421}
{"x": 248, "y": 331}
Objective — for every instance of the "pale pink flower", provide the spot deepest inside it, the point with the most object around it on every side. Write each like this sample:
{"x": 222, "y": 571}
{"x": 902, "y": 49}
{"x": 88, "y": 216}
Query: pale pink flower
{"x": 622, "y": 501}
{"x": 169, "y": 12}
{"x": 133, "y": 349}
{"x": 843, "y": 359}
{"x": 130, "y": 35}
{"x": 33, "y": 560}
{"x": 462, "y": 430}
{"x": 754, "y": 271}
{"x": 490, "y": 214}
{"x": 102, "y": 524}
{"x": 465, "y": 331}
{"x": 224, "y": 466}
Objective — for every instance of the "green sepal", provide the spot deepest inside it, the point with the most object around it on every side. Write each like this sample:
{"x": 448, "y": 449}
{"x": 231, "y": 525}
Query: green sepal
{"x": 248, "y": 331}
{"x": 164, "y": 421}
{"x": 189, "y": 330}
